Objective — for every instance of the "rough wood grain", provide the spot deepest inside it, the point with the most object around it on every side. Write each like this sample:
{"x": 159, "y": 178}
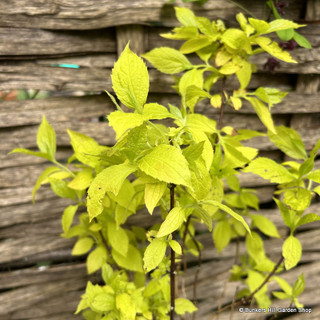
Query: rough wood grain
{"x": 61, "y": 109}
{"x": 23, "y": 297}
{"x": 37, "y": 75}
{"x": 35, "y": 275}
{"x": 31, "y": 213}
{"x": 37, "y": 42}
{"x": 134, "y": 34}
{"x": 96, "y": 14}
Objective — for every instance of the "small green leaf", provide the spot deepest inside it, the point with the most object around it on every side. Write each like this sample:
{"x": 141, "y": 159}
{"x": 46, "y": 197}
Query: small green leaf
{"x": 126, "y": 305}
{"x": 155, "y": 111}
{"x": 269, "y": 170}
{"x": 314, "y": 176}
{"x": 270, "y": 96}
{"x": 254, "y": 280}
{"x": 216, "y": 101}
{"x": 61, "y": 189}
{"x": 96, "y": 259}
{"x": 289, "y": 141}
{"x": 297, "y": 199}
{"x": 186, "y": 17}
{"x": 263, "y": 113}
{"x": 44, "y": 175}
{"x": 285, "y": 35}
{"x": 281, "y": 295}
{"x": 103, "y": 302}
{"x": 273, "y": 48}
{"x": 86, "y": 149}
{"x": 193, "y": 45}
{"x": 282, "y": 24}
{"x": 234, "y": 38}
{"x": 130, "y": 80}
{"x": 118, "y": 238}
{"x": 184, "y": 305}
{"x": 132, "y": 261}
{"x": 229, "y": 211}
{"x": 308, "y": 218}
{"x": 301, "y": 40}
{"x": 121, "y": 121}
{"x": 82, "y": 246}
{"x": 298, "y": 286}
{"x": 254, "y": 245}
{"x": 291, "y": 251}
{"x": 46, "y": 139}
{"x": 110, "y": 179}
{"x": 244, "y": 74}
{"x": 172, "y": 222}
{"x": 82, "y": 180}
{"x": 168, "y": 60}
{"x": 67, "y": 217}
{"x": 153, "y": 193}
{"x": 260, "y": 26}
{"x": 31, "y": 153}
{"x": 166, "y": 163}
{"x": 285, "y": 286}
{"x": 265, "y": 225}
{"x": 175, "y": 246}
{"x": 154, "y": 254}
{"x": 221, "y": 235}
{"x": 190, "y": 78}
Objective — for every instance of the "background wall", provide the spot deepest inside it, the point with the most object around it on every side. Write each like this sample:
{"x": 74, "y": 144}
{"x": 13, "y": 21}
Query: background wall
{"x": 66, "y": 50}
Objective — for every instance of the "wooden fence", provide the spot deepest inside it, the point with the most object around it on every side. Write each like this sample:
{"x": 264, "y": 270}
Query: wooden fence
{"x": 39, "y": 279}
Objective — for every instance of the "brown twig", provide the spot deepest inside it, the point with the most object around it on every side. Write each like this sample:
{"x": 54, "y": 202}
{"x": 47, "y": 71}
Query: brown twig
{"x": 247, "y": 300}
{"x": 173, "y": 261}
{"x": 196, "y": 273}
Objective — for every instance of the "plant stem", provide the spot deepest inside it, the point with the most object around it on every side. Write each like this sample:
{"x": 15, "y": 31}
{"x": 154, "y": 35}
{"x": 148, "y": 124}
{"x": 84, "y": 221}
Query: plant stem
{"x": 223, "y": 104}
{"x": 64, "y": 168}
{"x": 173, "y": 261}
{"x": 248, "y": 299}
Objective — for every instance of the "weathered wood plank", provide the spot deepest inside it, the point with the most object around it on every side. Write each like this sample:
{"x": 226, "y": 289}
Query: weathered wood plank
{"x": 37, "y": 42}
{"x": 30, "y": 276}
{"x": 25, "y": 137}
{"x": 22, "y": 159}
{"x": 59, "y": 307}
{"x": 21, "y": 298}
{"x": 96, "y": 14}
{"x": 32, "y": 213}
{"x": 60, "y": 109}
{"x": 17, "y": 249}
{"x": 30, "y": 112}
{"x": 37, "y": 75}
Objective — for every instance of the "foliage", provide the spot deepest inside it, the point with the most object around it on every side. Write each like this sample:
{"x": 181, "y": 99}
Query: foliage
{"x": 194, "y": 156}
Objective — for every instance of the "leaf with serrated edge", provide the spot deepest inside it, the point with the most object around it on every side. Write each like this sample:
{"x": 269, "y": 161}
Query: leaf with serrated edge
{"x": 166, "y": 163}
{"x": 130, "y": 79}
{"x": 110, "y": 179}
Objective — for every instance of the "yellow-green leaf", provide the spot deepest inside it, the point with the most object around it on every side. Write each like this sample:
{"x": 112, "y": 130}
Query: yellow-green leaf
{"x": 269, "y": 170}
{"x": 153, "y": 193}
{"x": 110, "y": 179}
{"x": 273, "y": 48}
{"x": 168, "y": 60}
{"x": 263, "y": 113}
{"x": 130, "y": 80}
{"x": 121, "y": 121}
{"x": 67, "y": 217}
{"x": 265, "y": 225}
{"x": 172, "y": 222}
{"x": 291, "y": 251}
{"x": 82, "y": 246}
{"x": 154, "y": 254}
{"x": 166, "y": 163}
{"x": 96, "y": 259}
